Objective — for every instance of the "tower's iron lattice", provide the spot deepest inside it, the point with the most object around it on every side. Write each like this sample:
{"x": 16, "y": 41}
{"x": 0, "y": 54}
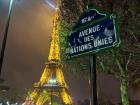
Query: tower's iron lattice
{"x": 51, "y": 83}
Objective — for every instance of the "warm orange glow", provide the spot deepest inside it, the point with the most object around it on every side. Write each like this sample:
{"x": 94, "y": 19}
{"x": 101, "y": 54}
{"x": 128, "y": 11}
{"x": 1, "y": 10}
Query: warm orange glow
{"x": 52, "y": 71}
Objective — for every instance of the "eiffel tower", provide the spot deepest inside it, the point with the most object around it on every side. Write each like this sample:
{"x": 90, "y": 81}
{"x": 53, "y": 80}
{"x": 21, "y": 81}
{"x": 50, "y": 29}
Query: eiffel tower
{"x": 51, "y": 84}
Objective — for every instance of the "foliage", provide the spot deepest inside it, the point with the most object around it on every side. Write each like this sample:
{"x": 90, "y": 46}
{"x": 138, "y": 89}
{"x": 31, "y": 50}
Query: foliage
{"x": 127, "y": 56}
{"x": 55, "y": 103}
{"x": 122, "y": 62}
{"x": 128, "y": 13}
{"x": 70, "y": 11}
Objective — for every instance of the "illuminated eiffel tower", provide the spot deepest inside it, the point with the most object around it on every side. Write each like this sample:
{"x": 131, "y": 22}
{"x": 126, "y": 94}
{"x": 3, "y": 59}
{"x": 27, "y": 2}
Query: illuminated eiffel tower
{"x": 52, "y": 84}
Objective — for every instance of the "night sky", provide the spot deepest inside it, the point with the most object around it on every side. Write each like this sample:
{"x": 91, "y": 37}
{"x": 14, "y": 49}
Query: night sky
{"x": 28, "y": 46}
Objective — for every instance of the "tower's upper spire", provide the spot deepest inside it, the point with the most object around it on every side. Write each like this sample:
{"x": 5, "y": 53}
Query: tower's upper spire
{"x": 54, "y": 53}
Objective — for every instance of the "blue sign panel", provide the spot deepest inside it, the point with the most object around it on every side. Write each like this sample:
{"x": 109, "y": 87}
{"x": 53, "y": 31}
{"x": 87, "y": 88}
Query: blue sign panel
{"x": 92, "y": 39}
{"x": 93, "y": 36}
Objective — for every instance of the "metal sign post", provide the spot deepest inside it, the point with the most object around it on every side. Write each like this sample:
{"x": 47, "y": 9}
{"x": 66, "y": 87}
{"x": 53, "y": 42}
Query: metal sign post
{"x": 5, "y": 36}
{"x": 94, "y": 32}
{"x": 93, "y": 81}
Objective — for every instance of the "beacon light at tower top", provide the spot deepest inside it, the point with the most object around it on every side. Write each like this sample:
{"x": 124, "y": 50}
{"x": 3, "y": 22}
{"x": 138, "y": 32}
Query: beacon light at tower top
{"x": 51, "y": 4}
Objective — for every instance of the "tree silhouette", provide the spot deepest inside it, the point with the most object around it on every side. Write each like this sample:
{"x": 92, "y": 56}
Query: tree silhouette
{"x": 122, "y": 62}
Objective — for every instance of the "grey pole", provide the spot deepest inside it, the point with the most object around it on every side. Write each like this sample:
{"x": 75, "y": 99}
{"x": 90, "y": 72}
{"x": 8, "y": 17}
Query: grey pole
{"x": 5, "y": 36}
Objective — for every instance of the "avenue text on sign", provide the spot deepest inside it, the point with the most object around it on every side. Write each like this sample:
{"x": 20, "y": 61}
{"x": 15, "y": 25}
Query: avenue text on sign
{"x": 93, "y": 37}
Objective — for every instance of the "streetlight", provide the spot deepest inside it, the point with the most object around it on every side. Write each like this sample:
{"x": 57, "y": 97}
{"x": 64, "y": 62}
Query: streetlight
{"x": 5, "y": 36}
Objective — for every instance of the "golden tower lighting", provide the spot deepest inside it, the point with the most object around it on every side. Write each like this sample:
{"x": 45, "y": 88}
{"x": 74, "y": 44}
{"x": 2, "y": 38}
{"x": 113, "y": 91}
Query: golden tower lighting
{"x": 51, "y": 83}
